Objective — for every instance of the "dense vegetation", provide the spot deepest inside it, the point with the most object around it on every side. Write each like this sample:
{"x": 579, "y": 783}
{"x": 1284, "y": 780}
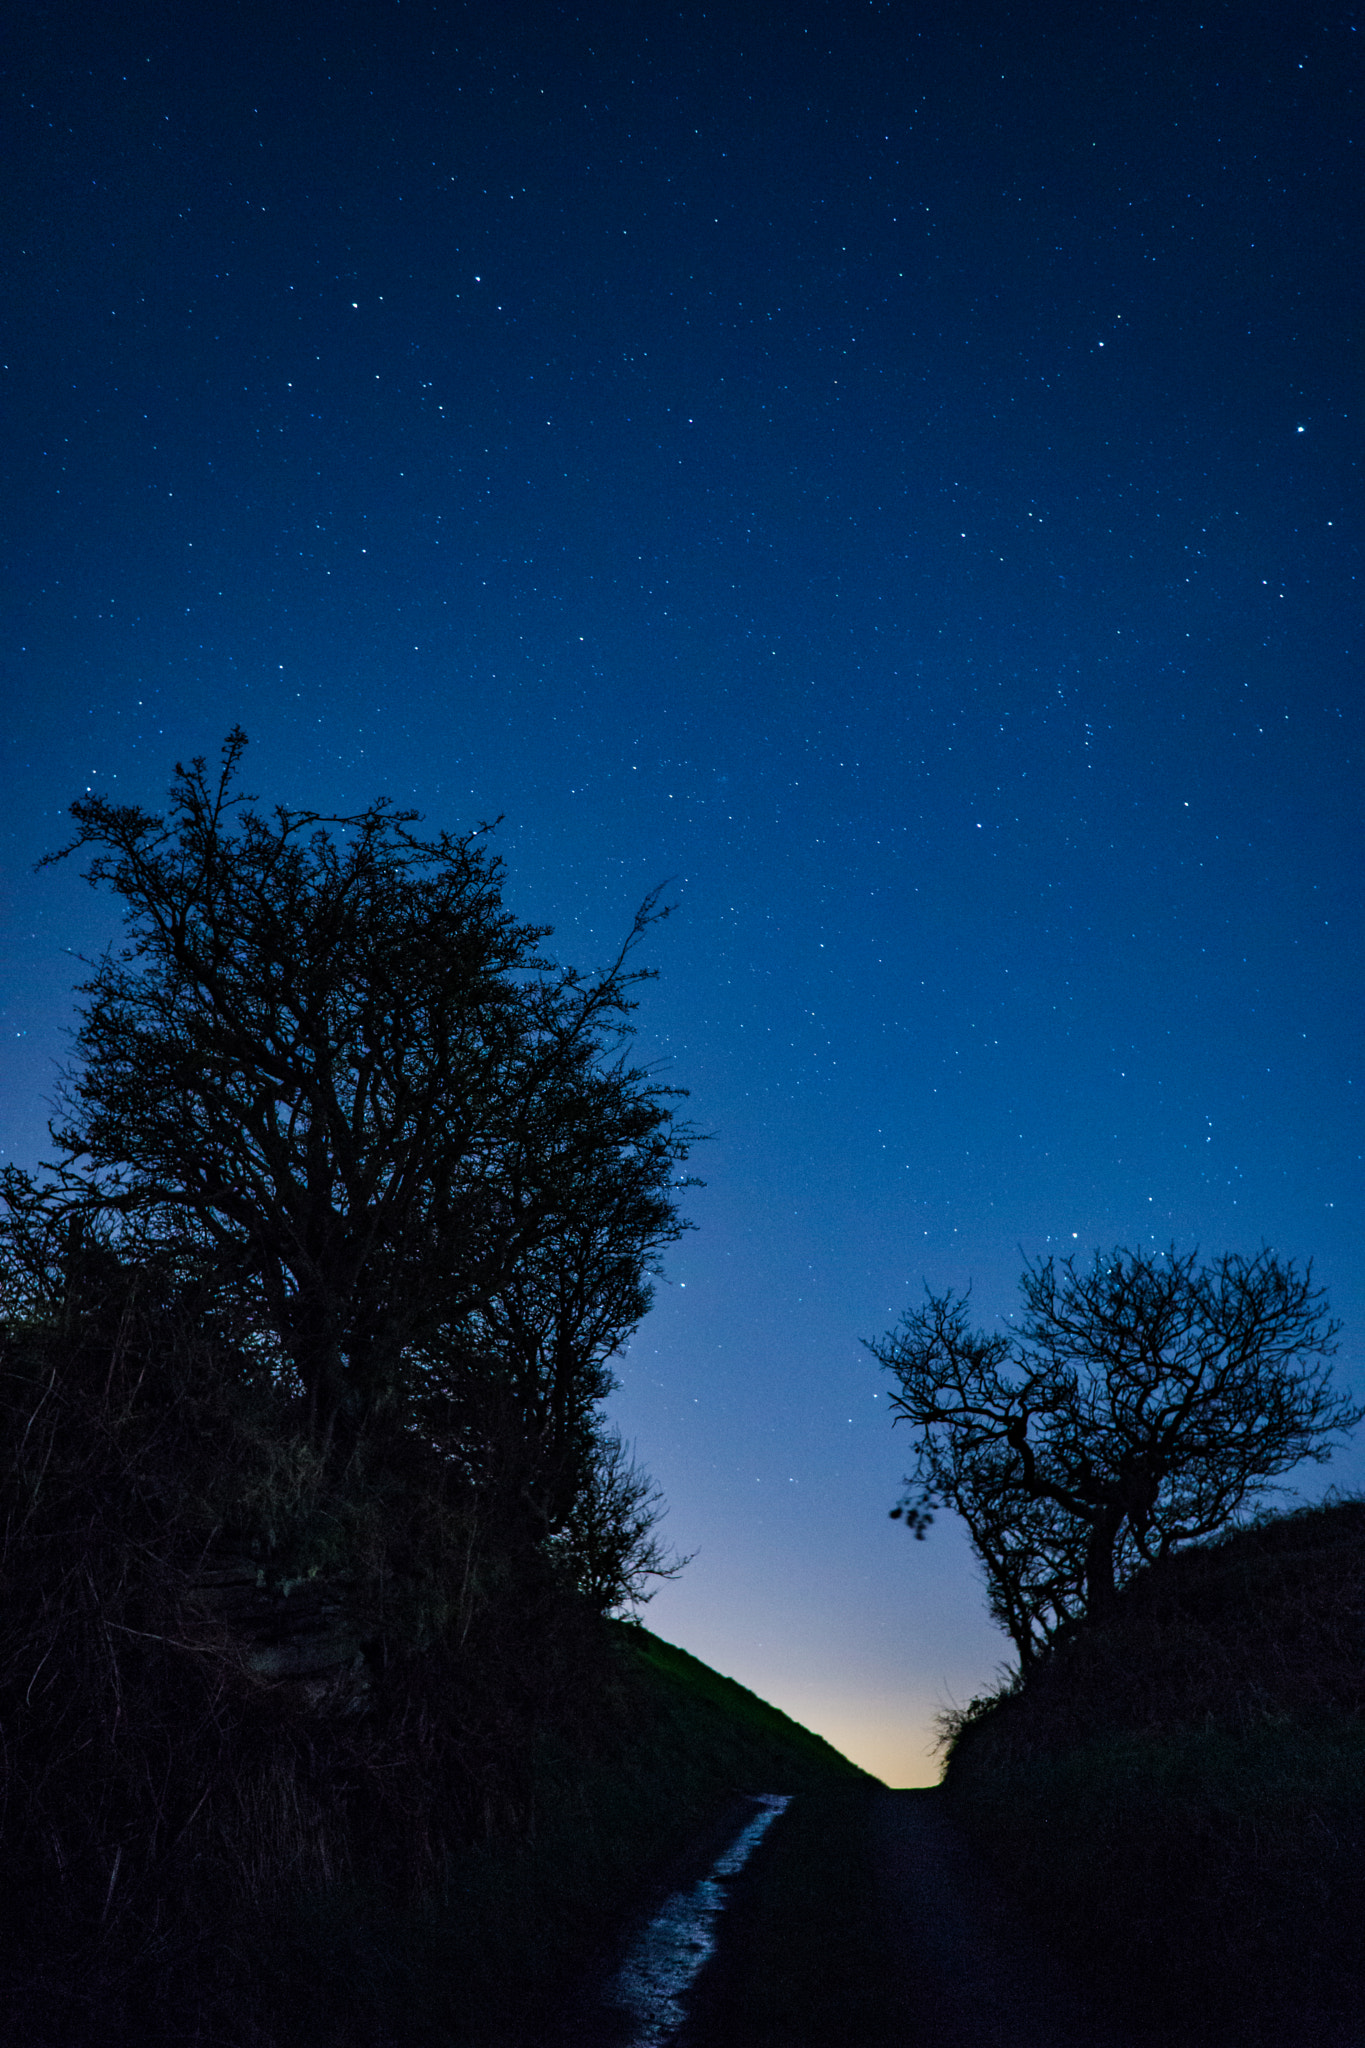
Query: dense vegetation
{"x": 316, "y": 1718}
{"x": 1141, "y": 1403}
{"x": 1177, "y": 1790}
{"x": 1173, "y": 1782}
{"x": 299, "y": 1750}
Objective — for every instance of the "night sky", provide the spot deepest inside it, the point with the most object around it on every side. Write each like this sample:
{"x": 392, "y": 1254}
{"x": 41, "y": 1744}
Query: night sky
{"x": 888, "y": 473}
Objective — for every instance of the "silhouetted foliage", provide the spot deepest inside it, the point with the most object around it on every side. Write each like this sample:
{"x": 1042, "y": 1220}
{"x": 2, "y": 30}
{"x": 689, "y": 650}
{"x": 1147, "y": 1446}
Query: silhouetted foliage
{"x": 292, "y": 1749}
{"x": 330, "y": 1075}
{"x": 1140, "y": 1406}
{"x": 309, "y": 1514}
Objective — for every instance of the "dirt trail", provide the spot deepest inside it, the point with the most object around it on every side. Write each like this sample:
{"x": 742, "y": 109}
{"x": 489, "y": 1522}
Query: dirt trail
{"x": 966, "y": 1972}
{"x": 951, "y": 1964}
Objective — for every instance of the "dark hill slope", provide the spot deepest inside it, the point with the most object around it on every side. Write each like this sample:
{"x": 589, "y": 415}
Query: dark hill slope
{"x": 522, "y": 1923}
{"x": 624, "y": 1803}
{"x": 301, "y": 1748}
{"x": 1180, "y": 1794}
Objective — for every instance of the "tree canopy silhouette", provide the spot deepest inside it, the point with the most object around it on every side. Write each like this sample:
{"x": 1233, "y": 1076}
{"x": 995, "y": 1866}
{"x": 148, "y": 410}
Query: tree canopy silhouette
{"x": 333, "y": 1072}
{"x": 1140, "y": 1405}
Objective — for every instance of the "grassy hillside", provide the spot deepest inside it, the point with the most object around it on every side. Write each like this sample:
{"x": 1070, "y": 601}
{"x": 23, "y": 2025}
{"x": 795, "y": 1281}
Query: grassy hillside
{"x": 1180, "y": 1795}
{"x": 521, "y": 1923}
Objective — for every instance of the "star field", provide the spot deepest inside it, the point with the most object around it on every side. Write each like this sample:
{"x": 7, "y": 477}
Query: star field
{"x": 893, "y": 478}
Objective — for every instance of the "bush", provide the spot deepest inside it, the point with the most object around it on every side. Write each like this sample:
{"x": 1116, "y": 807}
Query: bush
{"x": 231, "y": 1676}
{"x": 294, "y": 1750}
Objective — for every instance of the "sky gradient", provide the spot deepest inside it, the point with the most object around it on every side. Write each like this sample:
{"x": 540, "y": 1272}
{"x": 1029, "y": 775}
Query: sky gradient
{"x": 892, "y": 479}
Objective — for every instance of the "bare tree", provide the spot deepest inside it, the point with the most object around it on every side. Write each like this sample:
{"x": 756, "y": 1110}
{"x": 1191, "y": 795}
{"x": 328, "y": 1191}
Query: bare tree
{"x": 1140, "y": 1405}
{"x": 609, "y": 1542}
{"x": 331, "y": 1067}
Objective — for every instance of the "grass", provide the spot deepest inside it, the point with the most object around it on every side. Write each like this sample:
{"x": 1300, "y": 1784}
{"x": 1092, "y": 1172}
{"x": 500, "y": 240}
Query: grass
{"x": 494, "y": 1960}
{"x": 1180, "y": 1796}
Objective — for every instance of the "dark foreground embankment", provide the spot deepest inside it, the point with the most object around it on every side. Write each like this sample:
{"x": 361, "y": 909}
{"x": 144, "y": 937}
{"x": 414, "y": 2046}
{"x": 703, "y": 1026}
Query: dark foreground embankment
{"x": 521, "y": 1927}
{"x": 1157, "y": 1842}
{"x": 299, "y": 1747}
{"x": 1179, "y": 1796}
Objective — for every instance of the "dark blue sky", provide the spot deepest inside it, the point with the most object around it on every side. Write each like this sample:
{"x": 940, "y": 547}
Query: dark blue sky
{"x": 890, "y": 471}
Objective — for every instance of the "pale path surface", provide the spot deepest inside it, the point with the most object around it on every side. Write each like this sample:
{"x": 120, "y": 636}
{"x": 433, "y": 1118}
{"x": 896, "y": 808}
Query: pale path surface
{"x": 964, "y": 1971}
{"x": 961, "y": 1969}
{"x": 634, "y": 1994}
{"x": 651, "y": 1987}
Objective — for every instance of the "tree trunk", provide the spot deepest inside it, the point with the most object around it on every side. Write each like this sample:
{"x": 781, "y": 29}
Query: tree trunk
{"x": 1101, "y": 1591}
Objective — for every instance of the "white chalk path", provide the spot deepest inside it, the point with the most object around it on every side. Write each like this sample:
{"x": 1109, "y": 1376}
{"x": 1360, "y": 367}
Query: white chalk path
{"x": 664, "y": 1962}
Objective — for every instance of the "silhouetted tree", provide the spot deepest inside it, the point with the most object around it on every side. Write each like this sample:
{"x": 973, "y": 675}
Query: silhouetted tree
{"x": 608, "y": 1541}
{"x": 330, "y": 1070}
{"x": 1140, "y": 1405}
